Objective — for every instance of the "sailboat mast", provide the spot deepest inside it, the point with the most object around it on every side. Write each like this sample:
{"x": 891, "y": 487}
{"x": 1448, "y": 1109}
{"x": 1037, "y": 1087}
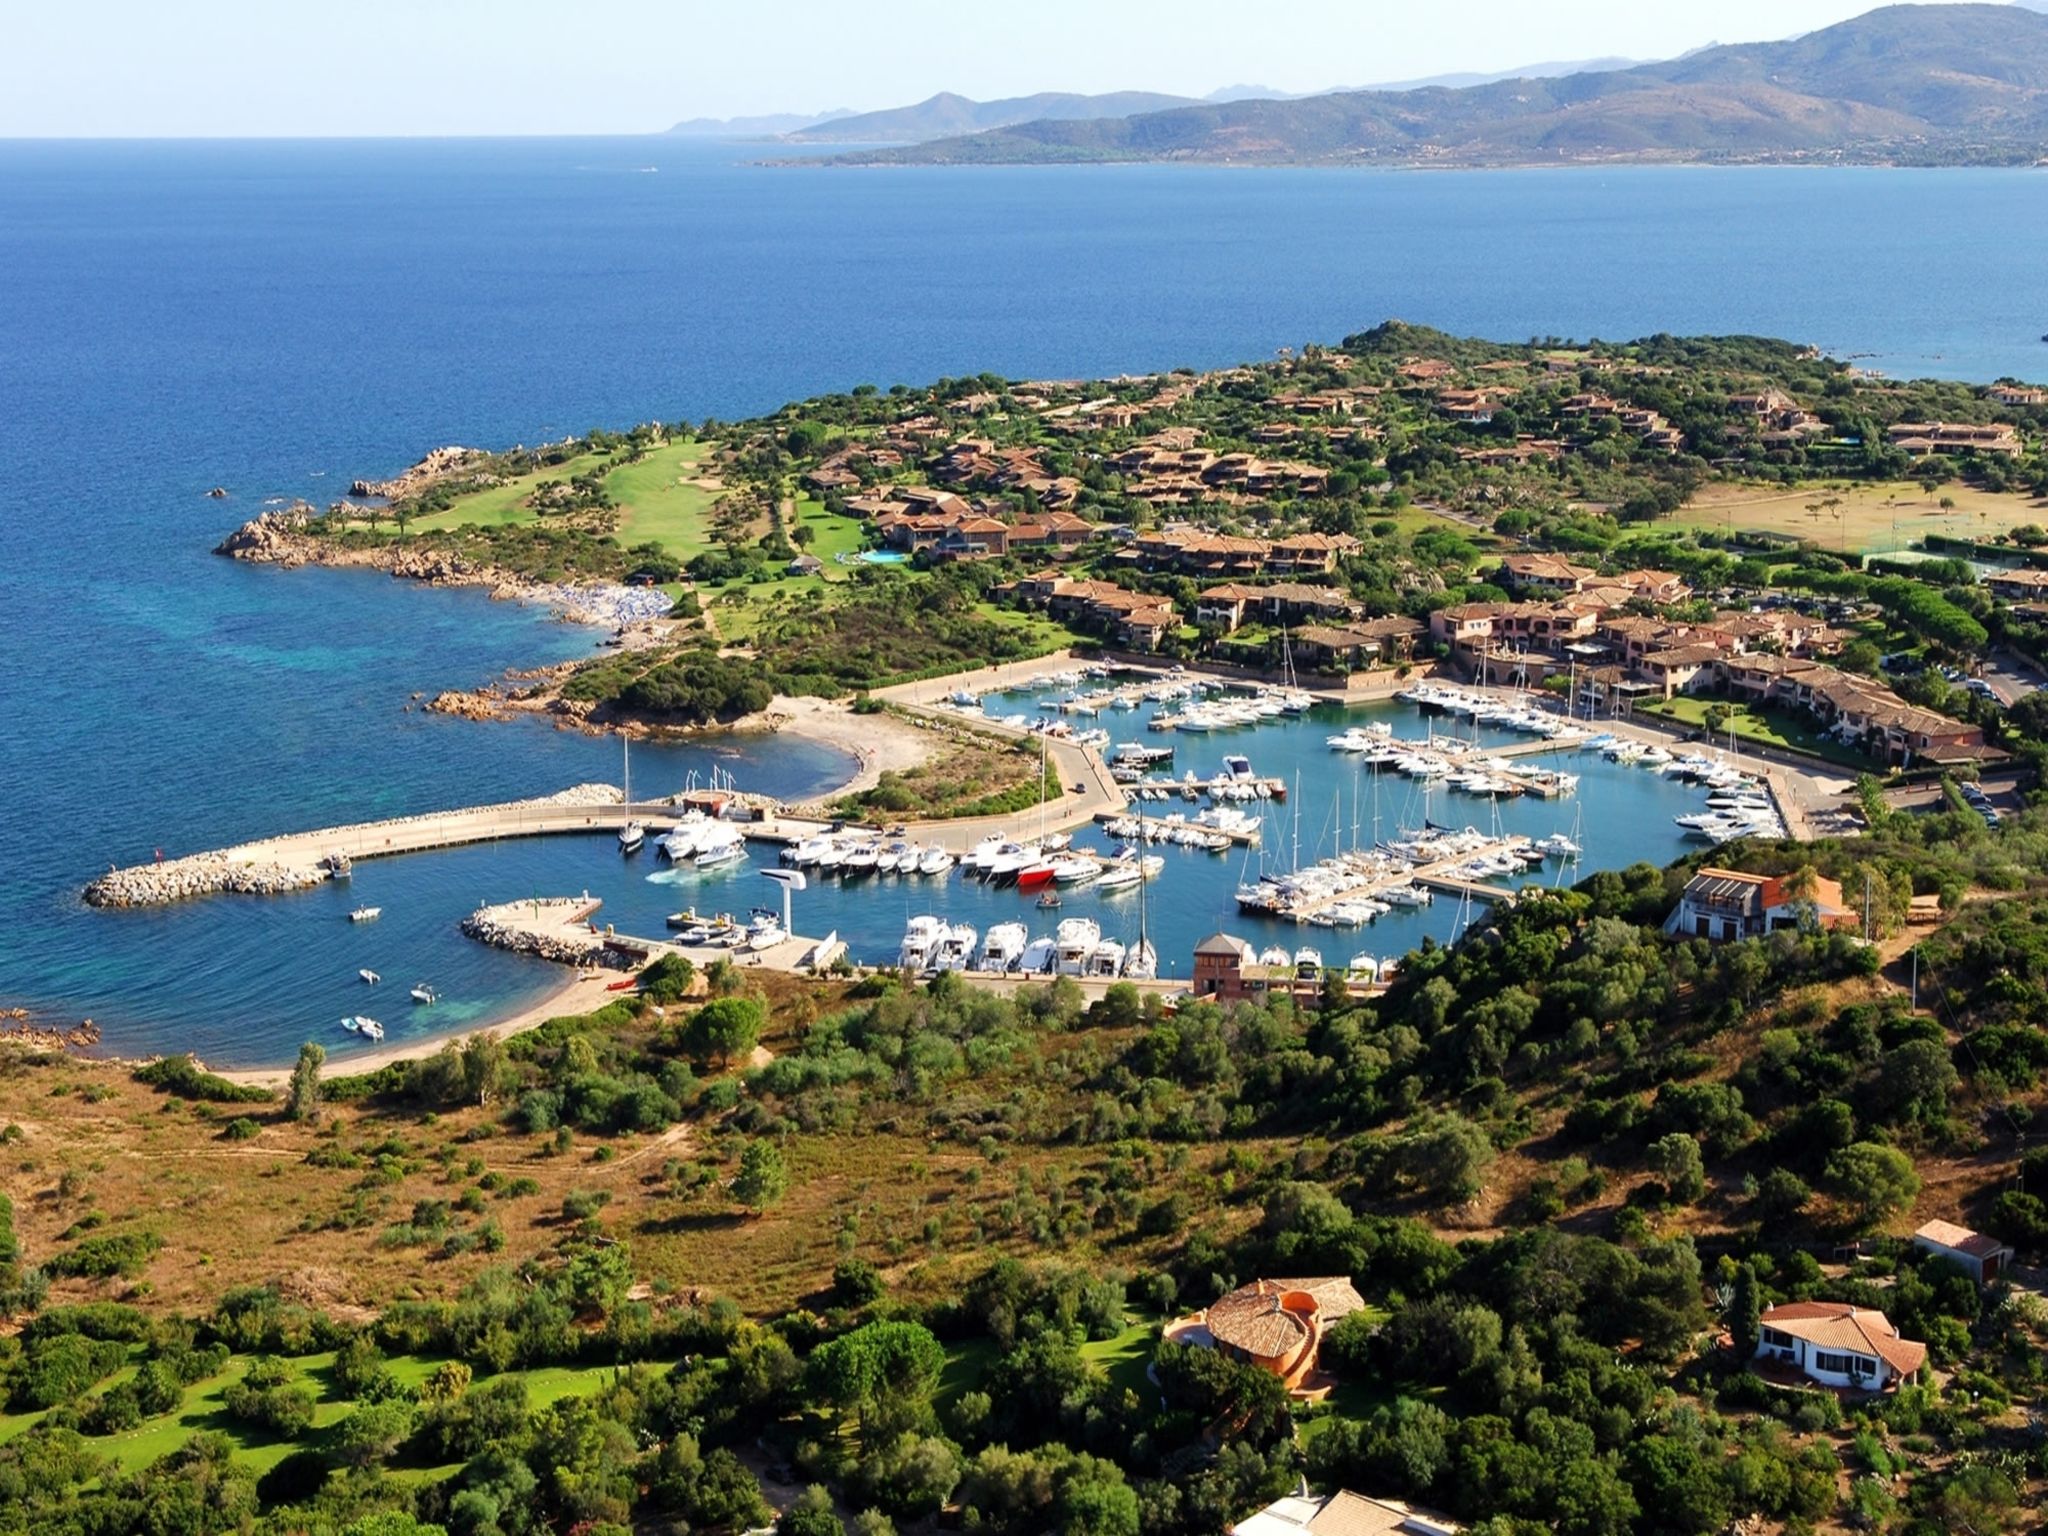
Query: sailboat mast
{"x": 1297, "y": 821}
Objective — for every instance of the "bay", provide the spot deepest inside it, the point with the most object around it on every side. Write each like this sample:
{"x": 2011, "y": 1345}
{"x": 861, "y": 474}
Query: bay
{"x": 279, "y": 317}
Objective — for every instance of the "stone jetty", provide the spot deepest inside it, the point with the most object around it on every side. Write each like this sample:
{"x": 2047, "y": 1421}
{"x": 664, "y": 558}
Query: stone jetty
{"x": 202, "y": 874}
{"x": 302, "y": 860}
{"x": 555, "y": 928}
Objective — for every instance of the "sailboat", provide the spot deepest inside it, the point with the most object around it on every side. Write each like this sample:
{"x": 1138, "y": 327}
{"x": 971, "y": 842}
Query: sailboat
{"x": 1141, "y": 963}
{"x": 1293, "y": 699}
{"x": 632, "y": 834}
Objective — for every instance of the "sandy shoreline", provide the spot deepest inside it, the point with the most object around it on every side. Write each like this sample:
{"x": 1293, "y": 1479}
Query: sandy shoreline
{"x": 879, "y": 743}
{"x": 577, "y": 993}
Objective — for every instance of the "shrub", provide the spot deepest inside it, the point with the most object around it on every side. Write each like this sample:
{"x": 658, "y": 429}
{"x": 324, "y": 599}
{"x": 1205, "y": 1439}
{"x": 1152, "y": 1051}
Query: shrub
{"x": 284, "y": 1411}
{"x": 856, "y": 1282}
{"x": 105, "y": 1256}
{"x": 183, "y": 1076}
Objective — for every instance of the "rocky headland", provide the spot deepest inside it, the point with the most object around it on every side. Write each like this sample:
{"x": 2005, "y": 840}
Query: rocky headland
{"x": 284, "y": 537}
{"x": 438, "y": 464}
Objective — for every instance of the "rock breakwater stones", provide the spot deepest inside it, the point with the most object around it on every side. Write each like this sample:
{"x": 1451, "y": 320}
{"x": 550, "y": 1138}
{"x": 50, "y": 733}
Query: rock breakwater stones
{"x": 554, "y": 928}
{"x": 255, "y": 869}
{"x": 202, "y": 874}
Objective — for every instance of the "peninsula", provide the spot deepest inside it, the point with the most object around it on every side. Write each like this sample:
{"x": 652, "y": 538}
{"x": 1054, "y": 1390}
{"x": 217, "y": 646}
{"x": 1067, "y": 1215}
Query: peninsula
{"x": 1903, "y": 85}
{"x": 1645, "y": 513}
{"x": 1652, "y": 1201}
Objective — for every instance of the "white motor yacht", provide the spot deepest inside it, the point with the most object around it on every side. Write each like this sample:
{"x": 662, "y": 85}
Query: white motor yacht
{"x": 1074, "y": 941}
{"x": 729, "y": 849}
{"x": 1039, "y": 957}
{"x": 921, "y": 942}
{"x": 956, "y": 949}
{"x": 1106, "y": 960}
{"x": 1002, "y": 947}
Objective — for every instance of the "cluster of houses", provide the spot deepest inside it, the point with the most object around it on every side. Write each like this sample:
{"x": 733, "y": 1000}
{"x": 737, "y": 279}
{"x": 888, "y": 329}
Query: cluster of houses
{"x": 1920, "y": 438}
{"x": 1574, "y": 621}
{"x": 909, "y": 518}
{"x": 1136, "y": 621}
{"x": 1192, "y": 551}
{"x": 1169, "y": 469}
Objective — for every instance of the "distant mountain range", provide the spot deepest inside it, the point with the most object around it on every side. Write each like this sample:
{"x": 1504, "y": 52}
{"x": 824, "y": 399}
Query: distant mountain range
{"x": 767, "y": 126}
{"x": 1918, "y": 84}
{"x": 947, "y": 115}
{"x": 942, "y": 116}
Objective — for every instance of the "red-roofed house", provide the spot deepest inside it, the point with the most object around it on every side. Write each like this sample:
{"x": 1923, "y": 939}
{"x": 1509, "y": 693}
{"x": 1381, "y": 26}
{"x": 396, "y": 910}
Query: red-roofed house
{"x": 1983, "y": 1258}
{"x": 1839, "y": 1345}
{"x": 1728, "y": 904}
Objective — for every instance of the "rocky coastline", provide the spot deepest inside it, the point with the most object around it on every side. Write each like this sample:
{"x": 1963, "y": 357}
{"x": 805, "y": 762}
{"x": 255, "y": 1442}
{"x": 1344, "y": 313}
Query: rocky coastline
{"x": 18, "y": 1027}
{"x": 282, "y": 537}
{"x": 438, "y": 464}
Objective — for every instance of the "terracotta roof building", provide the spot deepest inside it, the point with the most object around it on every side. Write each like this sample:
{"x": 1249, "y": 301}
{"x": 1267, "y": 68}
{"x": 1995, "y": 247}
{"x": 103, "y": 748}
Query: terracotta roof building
{"x": 1343, "y": 1514}
{"x": 1278, "y": 1325}
{"x": 1839, "y": 1345}
{"x": 1984, "y": 1258}
{"x": 1728, "y": 904}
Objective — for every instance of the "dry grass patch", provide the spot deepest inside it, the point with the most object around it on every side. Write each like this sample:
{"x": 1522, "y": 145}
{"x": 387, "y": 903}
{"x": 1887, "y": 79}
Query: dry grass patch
{"x": 1859, "y": 516}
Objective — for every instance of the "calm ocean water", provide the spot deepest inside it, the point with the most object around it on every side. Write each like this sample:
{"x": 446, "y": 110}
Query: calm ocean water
{"x": 278, "y": 318}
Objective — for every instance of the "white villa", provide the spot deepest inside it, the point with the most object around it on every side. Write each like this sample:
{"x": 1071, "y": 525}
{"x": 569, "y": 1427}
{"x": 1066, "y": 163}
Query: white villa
{"x": 1839, "y": 1345}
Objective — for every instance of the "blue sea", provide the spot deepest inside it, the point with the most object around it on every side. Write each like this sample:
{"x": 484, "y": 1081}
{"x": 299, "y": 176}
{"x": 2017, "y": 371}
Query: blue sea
{"x": 278, "y": 318}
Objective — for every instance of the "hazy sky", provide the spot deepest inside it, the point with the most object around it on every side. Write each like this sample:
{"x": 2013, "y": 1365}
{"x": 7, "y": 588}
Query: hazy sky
{"x": 320, "y": 67}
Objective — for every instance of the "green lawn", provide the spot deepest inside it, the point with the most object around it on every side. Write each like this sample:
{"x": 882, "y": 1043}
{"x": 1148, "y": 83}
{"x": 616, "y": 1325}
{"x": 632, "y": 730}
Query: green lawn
{"x": 967, "y": 1361}
{"x": 833, "y": 535}
{"x": 205, "y": 1409}
{"x": 655, "y": 504}
{"x": 1768, "y": 728}
{"x": 1124, "y": 1359}
{"x": 506, "y": 503}
{"x": 1043, "y": 633}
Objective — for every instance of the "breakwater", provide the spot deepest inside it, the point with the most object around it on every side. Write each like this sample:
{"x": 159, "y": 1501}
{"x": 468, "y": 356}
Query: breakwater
{"x": 302, "y": 860}
{"x": 554, "y": 928}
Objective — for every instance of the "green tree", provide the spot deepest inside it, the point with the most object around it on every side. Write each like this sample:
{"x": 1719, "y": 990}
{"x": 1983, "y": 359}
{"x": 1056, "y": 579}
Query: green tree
{"x": 1745, "y": 1309}
{"x": 810, "y": 1514}
{"x": 724, "y": 1028}
{"x": 884, "y": 1373}
{"x": 1872, "y": 1181}
{"x": 372, "y": 1433}
{"x": 483, "y": 1067}
{"x": 391, "y": 1522}
{"x": 445, "y": 1382}
{"x": 1676, "y": 1160}
{"x": 302, "y": 1099}
{"x": 763, "y": 1179}
{"x": 712, "y": 1490}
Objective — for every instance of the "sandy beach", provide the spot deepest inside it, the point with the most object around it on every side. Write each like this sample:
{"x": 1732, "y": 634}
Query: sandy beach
{"x": 882, "y": 743}
{"x": 578, "y": 993}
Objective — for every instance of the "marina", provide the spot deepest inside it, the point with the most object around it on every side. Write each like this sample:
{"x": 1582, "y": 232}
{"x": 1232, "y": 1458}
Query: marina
{"x": 1340, "y": 817}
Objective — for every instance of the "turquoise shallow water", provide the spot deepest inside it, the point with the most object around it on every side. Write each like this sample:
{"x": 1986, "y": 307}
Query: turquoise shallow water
{"x": 278, "y": 318}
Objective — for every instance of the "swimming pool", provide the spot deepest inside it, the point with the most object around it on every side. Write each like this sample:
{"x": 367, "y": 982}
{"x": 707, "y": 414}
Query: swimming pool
{"x": 883, "y": 557}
